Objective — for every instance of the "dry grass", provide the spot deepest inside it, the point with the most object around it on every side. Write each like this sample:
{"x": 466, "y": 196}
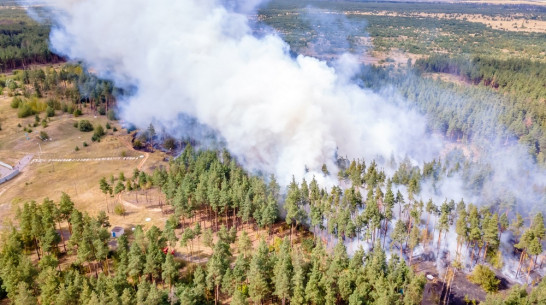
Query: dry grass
{"x": 78, "y": 179}
{"x": 516, "y": 23}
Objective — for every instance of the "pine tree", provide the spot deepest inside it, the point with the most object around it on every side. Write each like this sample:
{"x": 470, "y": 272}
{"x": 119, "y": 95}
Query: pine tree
{"x": 154, "y": 296}
{"x": 127, "y": 297}
{"x": 143, "y": 290}
{"x": 491, "y": 234}
{"x": 238, "y": 298}
{"x": 170, "y": 270}
{"x": 414, "y": 240}
{"x": 474, "y": 230}
{"x": 217, "y": 267}
{"x": 292, "y": 206}
{"x": 399, "y": 235}
{"x": 443, "y": 221}
{"x": 136, "y": 261}
{"x": 388, "y": 208}
{"x": 538, "y": 226}
{"x": 244, "y": 244}
{"x": 283, "y": 272}
{"x": 462, "y": 230}
{"x": 298, "y": 281}
{"x": 314, "y": 292}
{"x": 259, "y": 282}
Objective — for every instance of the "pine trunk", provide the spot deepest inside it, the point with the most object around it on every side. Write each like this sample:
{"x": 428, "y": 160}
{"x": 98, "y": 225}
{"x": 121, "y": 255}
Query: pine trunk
{"x": 520, "y": 261}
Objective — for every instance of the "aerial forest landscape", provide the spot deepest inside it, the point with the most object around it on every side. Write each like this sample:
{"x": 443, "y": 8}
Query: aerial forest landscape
{"x": 257, "y": 152}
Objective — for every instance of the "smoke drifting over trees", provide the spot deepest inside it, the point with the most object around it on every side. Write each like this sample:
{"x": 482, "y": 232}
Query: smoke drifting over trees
{"x": 198, "y": 71}
{"x": 199, "y": 59}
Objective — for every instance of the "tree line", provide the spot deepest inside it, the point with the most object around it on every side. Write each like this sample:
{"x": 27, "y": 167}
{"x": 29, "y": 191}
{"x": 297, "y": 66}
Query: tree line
{"x": 23, "y": 42}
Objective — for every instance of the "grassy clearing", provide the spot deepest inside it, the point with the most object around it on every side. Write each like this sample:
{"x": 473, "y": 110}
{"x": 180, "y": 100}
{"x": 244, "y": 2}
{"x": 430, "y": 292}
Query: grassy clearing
{"x": 78, "y": 179}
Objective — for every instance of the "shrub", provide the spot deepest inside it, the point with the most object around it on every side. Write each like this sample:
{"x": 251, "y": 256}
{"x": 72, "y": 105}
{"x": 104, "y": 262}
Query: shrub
{"x": 16, "y": 102}
{"x": 495, "y": 258}
{"x": 85, "y": 144}
{"x": 119, "y": 210}
{"x": 85, "y": 126}
{"x": 77, "y": 148}
{"x": 44, "y": 123}
{"x": 114, "y": 129}
{"x": 108, "y": 126}
{"x": 99, "y": 133}
{"x": 53, "y": 103}
{"x": 24, "y": 111}
{"x": 75, "y": 124}
{"x": 137, "y": 144}
{"x": 485, "y": 277}
{"x": 19, "y": 125}
{"x": 43, "y": 135}
{"x": 111, "y": 115}
{"x": 102, "y": 110}
{"x": 77, "y": 113}
{"x": 169, "y": 143}
{"x": 64, "y": 108}
{"x": 70, "y": 108}
{"x": 50, "y": 111}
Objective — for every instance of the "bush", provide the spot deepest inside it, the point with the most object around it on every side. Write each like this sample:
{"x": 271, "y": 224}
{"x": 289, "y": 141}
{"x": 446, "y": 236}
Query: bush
{"x": 119, "y": 210}
{"x": 16, "y": 102}
{"x": 24, "y": 111}
{"x": 77, "y": 148}
{"x": 70, "y": 108}
{"x": 495, "y": 258}
{"x": 114, "y": 129}
{"x": 108, "y": 126}
{"x": 53, "y": 103}
{"x": 64, "y": 108}
{"x": 169, "y": 143}
{"x": 484, "y": 277}
{"x": 77, "y": 113}
{"x": 50, "y": 111}
{"x": 43, "y": 135}
{"x": 137, "y": 144}
{"x": 102, "y": 110}
{"x": 111, "y": 115}
{"x": 85, "y": 144}
{"x": 85, "y": 126}
{"x": 99, "y": 133}
{"x": 44, "y": 123}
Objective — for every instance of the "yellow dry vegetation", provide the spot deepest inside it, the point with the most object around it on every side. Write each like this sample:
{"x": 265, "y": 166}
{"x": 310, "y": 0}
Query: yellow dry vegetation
{"x": 78, "y": 179}
{"x": 516, "y": 23}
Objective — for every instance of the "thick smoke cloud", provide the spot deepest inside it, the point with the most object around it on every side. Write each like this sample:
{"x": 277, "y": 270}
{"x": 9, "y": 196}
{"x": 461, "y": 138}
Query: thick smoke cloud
{"x": 199, "y": 59}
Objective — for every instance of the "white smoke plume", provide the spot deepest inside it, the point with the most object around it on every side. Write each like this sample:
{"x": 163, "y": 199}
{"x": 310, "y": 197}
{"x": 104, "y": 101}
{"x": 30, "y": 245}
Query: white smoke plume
{"x": 199, "y": 59}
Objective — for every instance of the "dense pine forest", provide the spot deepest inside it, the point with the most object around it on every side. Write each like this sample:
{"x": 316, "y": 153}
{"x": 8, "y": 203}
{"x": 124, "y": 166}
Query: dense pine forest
{"x": 23, "y": 41}
{"x": 368, "y": 236}
{"x": 213, "y": 202}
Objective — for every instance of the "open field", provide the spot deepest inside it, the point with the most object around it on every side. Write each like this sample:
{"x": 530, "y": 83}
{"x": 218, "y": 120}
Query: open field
{"x": 516, "y": 23}
{"x": 78, "y": 179}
